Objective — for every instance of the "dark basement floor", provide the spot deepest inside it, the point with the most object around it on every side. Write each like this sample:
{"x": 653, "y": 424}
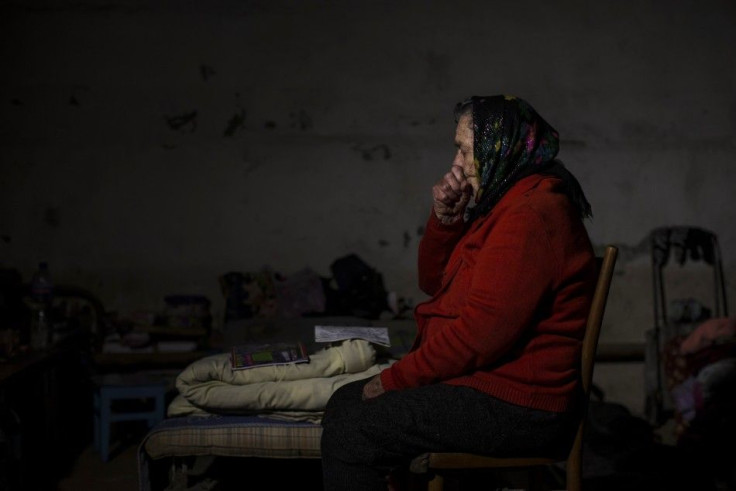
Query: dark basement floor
{"x": 120, "y": 473}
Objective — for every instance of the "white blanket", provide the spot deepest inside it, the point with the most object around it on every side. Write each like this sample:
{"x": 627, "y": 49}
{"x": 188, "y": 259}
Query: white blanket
{"x": 295, "y": 391}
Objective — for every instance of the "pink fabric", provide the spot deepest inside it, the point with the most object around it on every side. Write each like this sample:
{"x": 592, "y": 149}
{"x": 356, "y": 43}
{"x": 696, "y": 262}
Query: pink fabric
{"x": 708, "y": 333}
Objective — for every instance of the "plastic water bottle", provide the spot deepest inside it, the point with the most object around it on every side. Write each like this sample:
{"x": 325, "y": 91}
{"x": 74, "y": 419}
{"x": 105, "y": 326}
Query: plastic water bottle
{"x": 42, "y": 293}
{"x": 42, "y": 288}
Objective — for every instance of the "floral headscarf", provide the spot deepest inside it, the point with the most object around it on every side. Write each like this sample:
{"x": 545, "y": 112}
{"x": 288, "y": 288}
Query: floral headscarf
{"x": 511, "y": 141}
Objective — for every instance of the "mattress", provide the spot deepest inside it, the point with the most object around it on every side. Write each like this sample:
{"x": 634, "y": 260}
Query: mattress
{"x": 225, "y": 436}
{"x": 233, "y": 436}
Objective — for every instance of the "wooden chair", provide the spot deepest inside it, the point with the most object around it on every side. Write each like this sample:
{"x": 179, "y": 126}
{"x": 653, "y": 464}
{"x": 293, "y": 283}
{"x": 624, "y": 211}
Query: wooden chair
{"x": 436, "y": 464}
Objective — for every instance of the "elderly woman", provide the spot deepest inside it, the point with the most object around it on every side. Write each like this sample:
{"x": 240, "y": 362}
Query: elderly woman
{"x": 510, "y": 270}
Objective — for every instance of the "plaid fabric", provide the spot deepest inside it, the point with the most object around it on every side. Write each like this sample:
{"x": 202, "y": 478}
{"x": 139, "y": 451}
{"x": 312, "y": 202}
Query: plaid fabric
{"x": 233, "y": 436}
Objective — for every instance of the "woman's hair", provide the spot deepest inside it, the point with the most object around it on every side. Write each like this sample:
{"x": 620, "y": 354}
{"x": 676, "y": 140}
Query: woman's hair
{"x": 462, "y": 108}
{"x": 512, "y": 141}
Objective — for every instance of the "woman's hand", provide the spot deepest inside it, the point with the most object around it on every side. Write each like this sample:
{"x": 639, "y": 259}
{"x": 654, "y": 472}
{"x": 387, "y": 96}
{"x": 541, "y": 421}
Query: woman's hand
{"x": 451, "y": 195}
{"x": 373, "y": 388}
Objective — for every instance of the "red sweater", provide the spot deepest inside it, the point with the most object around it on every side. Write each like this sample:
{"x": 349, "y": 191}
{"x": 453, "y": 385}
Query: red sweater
{"x": 510, "y": 295}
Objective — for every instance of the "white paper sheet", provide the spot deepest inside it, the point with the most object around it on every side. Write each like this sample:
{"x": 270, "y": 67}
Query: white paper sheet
{"x": 330, "y": 334}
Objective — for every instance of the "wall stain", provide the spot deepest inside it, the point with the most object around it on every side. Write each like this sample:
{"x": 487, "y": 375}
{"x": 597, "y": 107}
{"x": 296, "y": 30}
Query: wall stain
{"x": 420, "y": 230}
{"x": 184, "y": 123}
{"x": 627, "y": 252}
{"x": 6, "y": 238}
{"x": 407, "y": 239}
{"x": 206, "y": 71}
{"x": 383, "y": 242}
{"x": 16, "y": 102}
{"x": 301, "y": 120}
{"x": 377, "y": 152}
{"x": 237, "y": 121}
{"x": 75, "y": 97}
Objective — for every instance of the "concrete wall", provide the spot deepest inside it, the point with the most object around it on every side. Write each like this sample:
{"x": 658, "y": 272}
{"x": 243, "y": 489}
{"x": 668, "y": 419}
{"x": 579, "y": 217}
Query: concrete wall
{"x": 148, "y": 147}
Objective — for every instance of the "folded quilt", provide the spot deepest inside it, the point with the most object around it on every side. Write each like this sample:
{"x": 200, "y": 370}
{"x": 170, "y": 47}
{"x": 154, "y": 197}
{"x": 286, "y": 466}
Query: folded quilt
{"x": 292, "y": 399}
{"x": 180, "y": 407}
{"x": 210, "y": 384}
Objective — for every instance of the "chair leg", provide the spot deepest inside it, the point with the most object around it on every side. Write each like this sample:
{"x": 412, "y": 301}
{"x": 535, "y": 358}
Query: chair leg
{"x": 437, "y": 483}
{"x": 575, "y": 474}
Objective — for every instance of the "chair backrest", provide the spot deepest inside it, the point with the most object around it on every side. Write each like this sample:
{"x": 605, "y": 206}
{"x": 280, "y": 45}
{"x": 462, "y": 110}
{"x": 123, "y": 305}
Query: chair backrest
{"x": 595, "y": 317}
{"x": 590, "y": 346}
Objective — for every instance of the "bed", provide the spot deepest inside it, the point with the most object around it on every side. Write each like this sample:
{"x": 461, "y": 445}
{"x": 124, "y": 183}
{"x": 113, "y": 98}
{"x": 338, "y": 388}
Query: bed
{"x": 221, "y": 423}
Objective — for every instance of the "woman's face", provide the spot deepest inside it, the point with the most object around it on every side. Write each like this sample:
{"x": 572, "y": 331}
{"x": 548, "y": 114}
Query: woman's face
{"x": 464, "y": 156}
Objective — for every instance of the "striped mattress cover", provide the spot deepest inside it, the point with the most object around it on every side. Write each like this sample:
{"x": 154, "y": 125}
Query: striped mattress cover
{"x": 235, "y": 436}
{"x": 229, "y": 436}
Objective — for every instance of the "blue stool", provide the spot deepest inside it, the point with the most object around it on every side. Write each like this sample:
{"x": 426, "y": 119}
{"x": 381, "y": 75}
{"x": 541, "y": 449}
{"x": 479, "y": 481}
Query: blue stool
{"x": 132, "y": 387}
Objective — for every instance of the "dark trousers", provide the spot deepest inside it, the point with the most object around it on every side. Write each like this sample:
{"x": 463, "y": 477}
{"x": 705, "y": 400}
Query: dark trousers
{"x": 363, "y": 441}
